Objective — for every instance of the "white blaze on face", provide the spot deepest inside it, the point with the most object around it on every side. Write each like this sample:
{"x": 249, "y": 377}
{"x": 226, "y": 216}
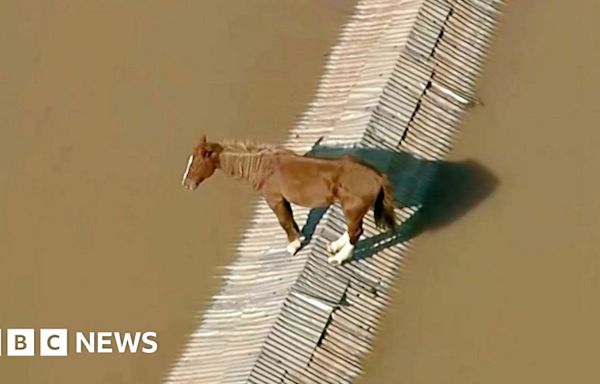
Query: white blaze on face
{"x": 187, "y": 169}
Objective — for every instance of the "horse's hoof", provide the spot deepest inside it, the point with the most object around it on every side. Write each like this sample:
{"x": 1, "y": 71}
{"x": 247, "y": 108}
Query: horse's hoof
{"x": 337, "y": 245}
{"x": 294, "y": 246}
{"x": 334, "y": 261}
{"x": 342, "y": 255}
{"x": 334, "y": 247}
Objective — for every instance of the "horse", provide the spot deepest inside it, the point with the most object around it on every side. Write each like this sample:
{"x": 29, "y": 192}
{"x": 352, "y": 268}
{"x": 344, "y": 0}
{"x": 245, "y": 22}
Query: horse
{"x": 283, "y": 177}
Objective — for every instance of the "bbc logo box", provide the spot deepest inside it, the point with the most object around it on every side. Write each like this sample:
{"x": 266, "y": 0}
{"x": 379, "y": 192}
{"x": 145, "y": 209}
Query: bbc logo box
{"x": 54, "y": 342}
{"x": 23, "y": 341}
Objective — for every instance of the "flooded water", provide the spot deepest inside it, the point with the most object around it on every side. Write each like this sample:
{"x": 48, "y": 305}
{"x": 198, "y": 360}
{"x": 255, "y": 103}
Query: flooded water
{"x": 100, "y": 104}
{"x": 509, "y": 291}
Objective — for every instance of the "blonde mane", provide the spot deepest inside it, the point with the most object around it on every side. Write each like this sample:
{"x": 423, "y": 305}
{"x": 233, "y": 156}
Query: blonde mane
{"x": 236, "y": 146}
{"x": 243, "y": 159}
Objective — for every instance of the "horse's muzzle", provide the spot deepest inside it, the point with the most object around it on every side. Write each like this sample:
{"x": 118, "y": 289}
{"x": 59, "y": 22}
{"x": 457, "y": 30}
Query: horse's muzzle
{"x": 190, "y": 185}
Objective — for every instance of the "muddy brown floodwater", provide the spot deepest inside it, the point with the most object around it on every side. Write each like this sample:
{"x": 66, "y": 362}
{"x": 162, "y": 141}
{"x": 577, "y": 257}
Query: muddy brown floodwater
{"x": 509, "y": 292}
{"x": 100, "y": 104}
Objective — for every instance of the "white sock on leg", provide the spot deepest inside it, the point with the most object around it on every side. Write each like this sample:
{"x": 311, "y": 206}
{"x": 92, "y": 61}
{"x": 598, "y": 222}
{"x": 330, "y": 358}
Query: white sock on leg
{"x": 294, "y": 246}
{"x": 342, "y": 255}
{"x": 338, "y": 244}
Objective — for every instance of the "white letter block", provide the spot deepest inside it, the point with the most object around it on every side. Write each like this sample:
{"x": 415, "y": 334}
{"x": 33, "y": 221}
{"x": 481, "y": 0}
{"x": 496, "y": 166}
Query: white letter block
{"x": 53, "y": 342}
{"x": 20, "y": 342}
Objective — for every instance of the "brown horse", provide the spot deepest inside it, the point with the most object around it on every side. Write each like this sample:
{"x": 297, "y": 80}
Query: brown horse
{"x": 284, "y": 177}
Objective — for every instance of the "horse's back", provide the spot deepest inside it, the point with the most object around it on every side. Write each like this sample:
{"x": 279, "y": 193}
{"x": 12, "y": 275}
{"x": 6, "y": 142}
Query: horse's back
{"x": 305, "y": 181}
{"x": 325, "y": 165}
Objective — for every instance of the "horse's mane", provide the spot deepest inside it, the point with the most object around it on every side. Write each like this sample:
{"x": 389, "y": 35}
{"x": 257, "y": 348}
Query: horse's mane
{"x": 243, "y": 159}
{"x": 246, "y": 146}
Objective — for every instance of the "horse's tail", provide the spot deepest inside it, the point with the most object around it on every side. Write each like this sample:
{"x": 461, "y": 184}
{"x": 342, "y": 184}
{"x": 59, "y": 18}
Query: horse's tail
{"x": 384, "y": 206}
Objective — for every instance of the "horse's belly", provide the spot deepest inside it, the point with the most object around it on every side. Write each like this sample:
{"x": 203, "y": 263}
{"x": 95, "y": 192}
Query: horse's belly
{"x": 307, "y": 182}
{"x": 312, "y": 195}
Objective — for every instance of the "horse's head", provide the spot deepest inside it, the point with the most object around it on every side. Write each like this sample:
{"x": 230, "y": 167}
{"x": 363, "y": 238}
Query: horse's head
{"x": 201, "y": 164}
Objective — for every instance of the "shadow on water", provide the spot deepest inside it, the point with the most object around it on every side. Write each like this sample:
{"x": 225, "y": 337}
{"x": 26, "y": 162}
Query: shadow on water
{"x": 444, "y": 191}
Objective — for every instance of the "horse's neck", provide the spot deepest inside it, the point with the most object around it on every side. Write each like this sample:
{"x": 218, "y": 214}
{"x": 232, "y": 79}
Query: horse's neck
{"x": 241, "y": 165}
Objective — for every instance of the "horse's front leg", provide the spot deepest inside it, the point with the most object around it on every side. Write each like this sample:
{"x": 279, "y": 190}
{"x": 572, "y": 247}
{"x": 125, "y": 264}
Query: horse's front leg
{"x": 282, "y": 209}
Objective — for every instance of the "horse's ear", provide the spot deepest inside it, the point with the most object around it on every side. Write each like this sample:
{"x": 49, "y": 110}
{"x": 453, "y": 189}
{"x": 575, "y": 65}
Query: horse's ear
{"x": 203, "y": 139}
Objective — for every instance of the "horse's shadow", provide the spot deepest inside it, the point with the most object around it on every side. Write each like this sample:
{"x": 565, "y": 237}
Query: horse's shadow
{"x": 443, "y": 190}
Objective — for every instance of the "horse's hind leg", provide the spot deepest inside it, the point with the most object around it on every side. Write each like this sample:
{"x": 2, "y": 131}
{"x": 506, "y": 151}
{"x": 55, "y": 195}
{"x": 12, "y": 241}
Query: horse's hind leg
{"x": 354, "y": 211}
{"x": 336, "y": 245}
{"x": 285, "y": 216}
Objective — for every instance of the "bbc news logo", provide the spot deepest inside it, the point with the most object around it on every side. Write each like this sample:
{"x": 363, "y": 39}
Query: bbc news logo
{"x": 55, "y": 342}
